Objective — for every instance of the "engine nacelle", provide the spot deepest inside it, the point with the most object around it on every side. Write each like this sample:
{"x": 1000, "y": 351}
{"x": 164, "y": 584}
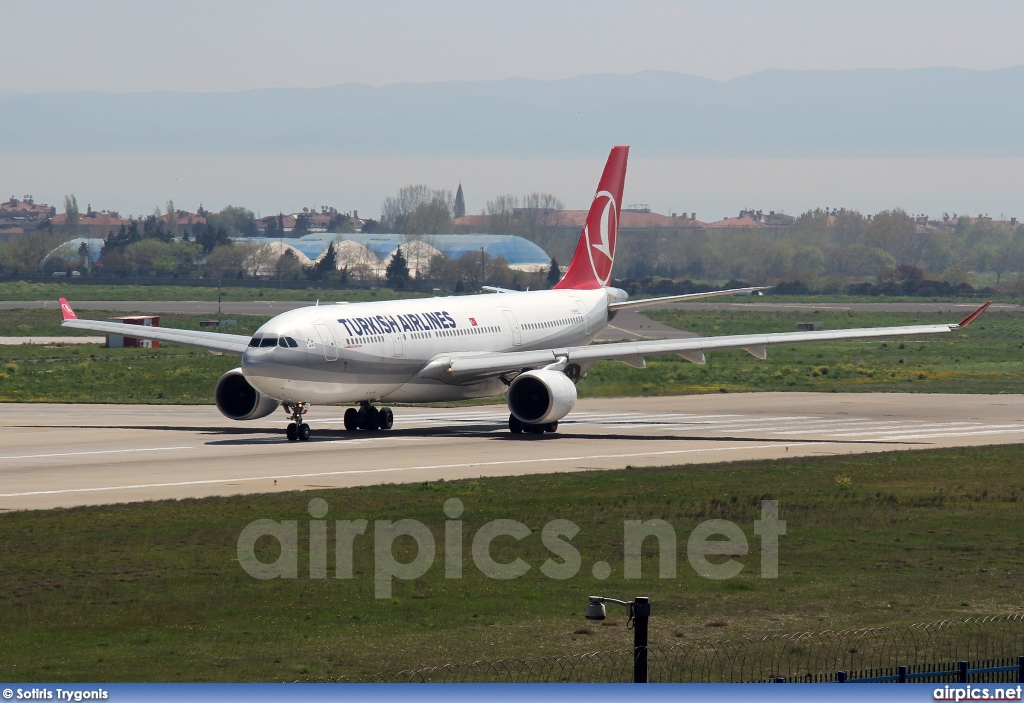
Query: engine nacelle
{"x": 237, "y": 400}
{"x": 542, "y": 396}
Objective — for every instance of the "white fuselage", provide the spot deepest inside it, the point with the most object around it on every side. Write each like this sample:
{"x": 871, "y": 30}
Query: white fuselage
{"x": 351, "y": 352}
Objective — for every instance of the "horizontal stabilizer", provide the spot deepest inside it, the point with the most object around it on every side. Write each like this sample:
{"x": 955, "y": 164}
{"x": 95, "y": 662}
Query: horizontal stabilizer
{"x": 668, "y": 299}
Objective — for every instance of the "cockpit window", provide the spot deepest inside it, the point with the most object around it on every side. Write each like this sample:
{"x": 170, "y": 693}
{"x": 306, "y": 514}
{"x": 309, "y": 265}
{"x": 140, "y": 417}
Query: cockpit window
{"x": 292, "y": 343}
{"x": 287, "y": 342}
{"x": 255, "y": 341}
{"x": 268, "y": 342}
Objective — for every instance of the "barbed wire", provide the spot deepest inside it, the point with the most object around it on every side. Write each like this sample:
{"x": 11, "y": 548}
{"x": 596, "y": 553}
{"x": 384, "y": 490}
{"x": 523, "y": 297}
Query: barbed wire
{"x": 988, "y": 641}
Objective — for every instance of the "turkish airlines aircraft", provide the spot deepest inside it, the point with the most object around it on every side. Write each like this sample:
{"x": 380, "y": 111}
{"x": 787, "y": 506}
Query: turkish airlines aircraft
{"x": 534, "y": 346}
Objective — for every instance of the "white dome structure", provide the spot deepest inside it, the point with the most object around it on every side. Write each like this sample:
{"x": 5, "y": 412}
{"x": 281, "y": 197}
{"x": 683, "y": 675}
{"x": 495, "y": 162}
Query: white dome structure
{"x": 349, "y": 254}
{"x": 417, "y": 253}
{"x": 263, "y": 262}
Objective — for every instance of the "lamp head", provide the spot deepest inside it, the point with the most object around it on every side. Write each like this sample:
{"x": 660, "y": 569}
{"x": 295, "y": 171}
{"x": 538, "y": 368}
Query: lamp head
{"x": 595, "y": 611}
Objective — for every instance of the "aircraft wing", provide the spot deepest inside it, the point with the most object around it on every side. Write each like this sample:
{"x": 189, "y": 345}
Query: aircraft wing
{"x": 216, "y": 342}
{"x": 656, "y": 302}
{"x": 464, "y": 368}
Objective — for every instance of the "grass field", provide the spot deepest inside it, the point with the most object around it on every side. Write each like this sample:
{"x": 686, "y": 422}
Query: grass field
{"x": 987, "y": 357}
{"x": 153, "y": 591}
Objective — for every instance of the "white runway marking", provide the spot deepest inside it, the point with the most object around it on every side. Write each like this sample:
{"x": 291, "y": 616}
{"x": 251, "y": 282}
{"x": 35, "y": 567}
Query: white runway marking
{"x": 105, "y": 451}
{"x": 406, "y": 468}
{"x": 809, "y": 427}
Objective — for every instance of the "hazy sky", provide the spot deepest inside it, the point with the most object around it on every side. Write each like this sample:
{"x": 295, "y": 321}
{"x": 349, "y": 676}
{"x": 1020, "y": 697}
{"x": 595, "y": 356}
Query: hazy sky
{"x": 211, "y": 45}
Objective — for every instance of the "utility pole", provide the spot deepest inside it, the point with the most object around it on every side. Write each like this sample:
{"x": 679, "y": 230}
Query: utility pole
{"x": 483, "y": 268}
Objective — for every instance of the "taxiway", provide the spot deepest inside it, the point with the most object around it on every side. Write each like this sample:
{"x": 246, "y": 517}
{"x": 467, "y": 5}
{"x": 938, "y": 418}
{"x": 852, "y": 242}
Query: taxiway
{"x": 68, "y": 455}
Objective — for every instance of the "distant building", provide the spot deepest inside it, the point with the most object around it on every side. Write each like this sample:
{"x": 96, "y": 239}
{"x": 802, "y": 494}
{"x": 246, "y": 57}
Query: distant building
{"x": 20, "y": 216}
{"x": 307, "y": 221}
{"x": 374, "y": 251}
{"x": 460, "y": 203}
{"x": 92, "y": 223}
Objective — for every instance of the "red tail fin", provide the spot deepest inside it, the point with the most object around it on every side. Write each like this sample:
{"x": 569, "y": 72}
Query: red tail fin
{"x": 591, "y": 265}
{"x": 66, "y": 312}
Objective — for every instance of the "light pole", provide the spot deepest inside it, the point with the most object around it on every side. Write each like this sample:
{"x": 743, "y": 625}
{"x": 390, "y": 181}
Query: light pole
{"x": 639, "y": 614}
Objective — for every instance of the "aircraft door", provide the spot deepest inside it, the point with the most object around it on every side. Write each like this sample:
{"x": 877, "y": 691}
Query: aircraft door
{"x": 327, "y": 337}
{"x": 517, "y": 337}
{"x": 399, "y": 350}
{"x": 583, "y": 311}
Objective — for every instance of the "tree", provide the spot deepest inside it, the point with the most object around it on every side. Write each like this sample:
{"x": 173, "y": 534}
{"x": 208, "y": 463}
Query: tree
{"x": 340, "y": 223}
{"x": 416, "y": 209}
{"x": 327, "y": 265}
{"x": 83, "y": 255}
{"x": 228, "y": 259}
{"x": 896, "y": 232}
{"x": 238, "y": 221}
{"x": 554, "y": 273}
{"x": 211, "y": 236}
{"x": 275, "y": 227}
{"x": 301, "y": 225}
{"x": 397, "y": 272}
{"x": 538, "y": 216}
{"x": 501, "y": 214}
{"x": 71, "y": 210}
{"x": 172, "y": 219}
{"x": 289, "y": 266}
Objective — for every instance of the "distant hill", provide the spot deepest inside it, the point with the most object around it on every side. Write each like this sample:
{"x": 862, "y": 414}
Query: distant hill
{"x": 800, "y": 114}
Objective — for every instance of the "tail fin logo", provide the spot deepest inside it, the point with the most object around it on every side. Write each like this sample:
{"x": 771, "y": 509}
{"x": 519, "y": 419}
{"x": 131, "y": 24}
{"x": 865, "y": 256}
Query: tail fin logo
{"x": 601, "y": 236}
{"x": 66, "y": 312}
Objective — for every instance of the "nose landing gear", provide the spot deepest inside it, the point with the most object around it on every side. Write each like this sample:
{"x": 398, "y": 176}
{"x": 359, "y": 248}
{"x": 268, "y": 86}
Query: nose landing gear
{"x": 367, "y": 417}
{"x": 297, "y": 429}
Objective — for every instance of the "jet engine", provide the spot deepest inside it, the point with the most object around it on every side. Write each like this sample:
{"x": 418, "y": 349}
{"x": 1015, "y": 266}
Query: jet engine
{"x": 237, "y": 400}
{"x": 541, "y": 396}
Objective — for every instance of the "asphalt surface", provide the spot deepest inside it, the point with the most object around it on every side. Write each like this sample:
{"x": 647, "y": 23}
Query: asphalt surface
{"x": 68, "y": 455}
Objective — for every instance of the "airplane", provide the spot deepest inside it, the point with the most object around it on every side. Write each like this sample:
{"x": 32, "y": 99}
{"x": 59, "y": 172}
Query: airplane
{"x": 533, "y": 346}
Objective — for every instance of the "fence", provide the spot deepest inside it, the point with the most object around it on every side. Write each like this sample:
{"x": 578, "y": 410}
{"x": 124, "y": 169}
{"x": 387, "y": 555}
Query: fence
{"x": 925, "y": 652}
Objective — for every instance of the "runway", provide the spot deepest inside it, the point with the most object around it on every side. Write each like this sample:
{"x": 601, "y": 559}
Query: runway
{"x": 68, "y": 455}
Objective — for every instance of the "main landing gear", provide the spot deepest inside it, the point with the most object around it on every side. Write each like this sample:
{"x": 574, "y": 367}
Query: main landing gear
{"x": 516, "y": 426}
{"x": 297, "y": 429}
{"x": 367, "y": 417}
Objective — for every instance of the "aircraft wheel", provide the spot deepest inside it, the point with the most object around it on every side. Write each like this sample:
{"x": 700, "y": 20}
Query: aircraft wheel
{"x": 292, "y": 432}
{"x": 303, "y": 432}
{"x": 351, "y": 419}
{"x": 370, "y": 420}
{"x": 536, "y": 429}
{"x": 387, "y": 418}
{"x": 514, "y": 425}
{"x": 552, "y": 426}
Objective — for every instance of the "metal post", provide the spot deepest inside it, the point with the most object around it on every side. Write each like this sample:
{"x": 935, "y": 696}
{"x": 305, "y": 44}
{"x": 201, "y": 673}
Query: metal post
{"x": 902, "y": 673}
{"x": 780, "y": 679}
{"x": 840, "y": 677}
{"x": 641, "y": 612}
{"x": 963, "y": 667}
{"x": 1020, "y": 669}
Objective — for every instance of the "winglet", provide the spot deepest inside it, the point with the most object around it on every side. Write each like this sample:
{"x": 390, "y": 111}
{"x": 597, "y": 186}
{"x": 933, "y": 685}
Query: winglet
{"x": 66, "y": 311}
{"x": 974, "y": 315}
